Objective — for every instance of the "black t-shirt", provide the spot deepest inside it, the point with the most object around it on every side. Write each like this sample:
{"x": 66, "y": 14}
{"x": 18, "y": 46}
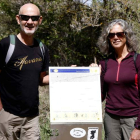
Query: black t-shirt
{"x": 20, "y": 77}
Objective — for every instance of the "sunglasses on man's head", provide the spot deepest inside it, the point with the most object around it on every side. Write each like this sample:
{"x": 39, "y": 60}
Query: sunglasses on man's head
{"x": 26, "y": 18}
{"x": 118, "y": 34}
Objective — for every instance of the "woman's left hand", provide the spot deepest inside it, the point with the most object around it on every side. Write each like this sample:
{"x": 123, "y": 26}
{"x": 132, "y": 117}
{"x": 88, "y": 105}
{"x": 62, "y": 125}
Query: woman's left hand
{"x": 135, "y": 135}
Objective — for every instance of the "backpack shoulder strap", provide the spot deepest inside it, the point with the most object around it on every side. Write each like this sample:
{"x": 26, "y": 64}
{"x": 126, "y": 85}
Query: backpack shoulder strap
{"x": 11, "y": 48}
{"x": 41, "y": 47}
{"x": 106, "y": 60}
{"x": 135, "y": 58}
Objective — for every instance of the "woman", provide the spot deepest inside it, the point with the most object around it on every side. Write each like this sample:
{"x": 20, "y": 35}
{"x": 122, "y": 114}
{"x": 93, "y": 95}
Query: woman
{"x": 119, "y": 82}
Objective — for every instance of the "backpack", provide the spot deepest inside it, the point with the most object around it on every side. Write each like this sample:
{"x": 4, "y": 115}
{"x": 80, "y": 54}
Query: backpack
{"x": 12, "y": 47}
{"x": 134, "y": 58}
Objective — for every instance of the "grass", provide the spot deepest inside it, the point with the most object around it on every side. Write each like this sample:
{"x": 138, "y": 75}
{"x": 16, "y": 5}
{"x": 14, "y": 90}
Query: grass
{"x": 44, "y": 110}
{"x": 44, "y": 116}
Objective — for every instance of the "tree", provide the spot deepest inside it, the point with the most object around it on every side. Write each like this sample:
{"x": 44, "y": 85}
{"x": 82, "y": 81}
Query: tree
{"x": 70, "y": 29}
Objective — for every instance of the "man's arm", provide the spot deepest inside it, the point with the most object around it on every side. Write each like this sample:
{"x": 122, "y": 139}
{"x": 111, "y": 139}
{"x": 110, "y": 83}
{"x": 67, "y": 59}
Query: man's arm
{"x": 1, "y": 105}
{"x": 0, "y": 100}
{"x": 44, "y": 78}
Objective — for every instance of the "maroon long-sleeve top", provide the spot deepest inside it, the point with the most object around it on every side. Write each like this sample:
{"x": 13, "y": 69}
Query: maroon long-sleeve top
{"x": 120, "y": 85}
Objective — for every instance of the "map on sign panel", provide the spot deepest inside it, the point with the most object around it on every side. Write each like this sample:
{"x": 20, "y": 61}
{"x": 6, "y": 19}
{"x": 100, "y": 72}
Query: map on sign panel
{"x": 75, "y": 94}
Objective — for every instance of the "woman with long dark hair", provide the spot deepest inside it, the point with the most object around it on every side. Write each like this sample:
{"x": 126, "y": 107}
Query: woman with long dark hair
{"x": 120, "y": 83}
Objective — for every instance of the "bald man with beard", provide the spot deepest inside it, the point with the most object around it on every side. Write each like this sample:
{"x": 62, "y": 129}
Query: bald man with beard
{"x": 20, "y": 78}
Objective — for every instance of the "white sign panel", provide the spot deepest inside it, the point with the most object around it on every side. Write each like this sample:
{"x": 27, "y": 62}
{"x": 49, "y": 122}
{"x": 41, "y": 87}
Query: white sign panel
{"x": 75, "y": 94}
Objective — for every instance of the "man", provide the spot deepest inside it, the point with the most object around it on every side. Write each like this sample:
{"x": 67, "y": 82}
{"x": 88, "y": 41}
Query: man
{"x": 20, "y": 78}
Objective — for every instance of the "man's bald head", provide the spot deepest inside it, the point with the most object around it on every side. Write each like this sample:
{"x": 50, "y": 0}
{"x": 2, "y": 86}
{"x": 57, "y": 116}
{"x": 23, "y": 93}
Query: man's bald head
{"x": 29, "y": 19}
{"x": 34, "y": 10}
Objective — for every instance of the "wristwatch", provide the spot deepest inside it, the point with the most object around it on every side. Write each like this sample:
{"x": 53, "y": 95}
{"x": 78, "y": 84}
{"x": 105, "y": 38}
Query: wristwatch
{"x": 137, "y": 126}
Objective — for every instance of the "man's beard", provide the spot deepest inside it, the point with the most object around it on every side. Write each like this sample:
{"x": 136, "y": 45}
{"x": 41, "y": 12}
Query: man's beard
{"x": 28, "y": 32}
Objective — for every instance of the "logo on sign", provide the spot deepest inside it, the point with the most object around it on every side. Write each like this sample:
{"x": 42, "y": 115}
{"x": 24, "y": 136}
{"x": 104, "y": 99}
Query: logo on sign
{"x": 92, "y": 133}
{"x": 55, "y": 70}
{"x": 77, "y": 132}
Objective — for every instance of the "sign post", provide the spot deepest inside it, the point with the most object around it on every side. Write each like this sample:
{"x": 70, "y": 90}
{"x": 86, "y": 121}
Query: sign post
{"x": 75, "y": 103}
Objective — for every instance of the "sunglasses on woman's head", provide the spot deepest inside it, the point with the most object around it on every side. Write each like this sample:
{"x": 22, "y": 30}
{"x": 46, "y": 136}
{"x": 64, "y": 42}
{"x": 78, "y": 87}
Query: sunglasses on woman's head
{"x": 118, "y": 34}
{"x": 26, "y": 18}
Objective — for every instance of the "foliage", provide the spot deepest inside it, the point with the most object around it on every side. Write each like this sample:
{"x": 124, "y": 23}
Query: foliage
{"x": 44, "y": 113}
{"x": 70, "y": 29}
